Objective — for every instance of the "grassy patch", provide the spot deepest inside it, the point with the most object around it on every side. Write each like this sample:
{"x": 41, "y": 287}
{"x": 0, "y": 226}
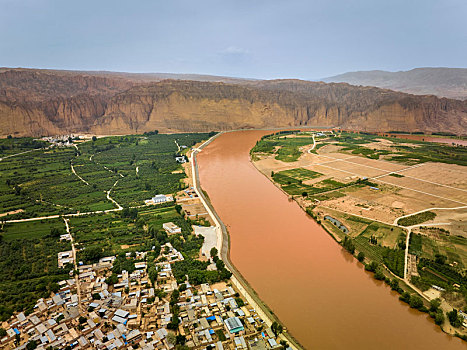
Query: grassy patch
{"x": 295, "y": 176}
{"x": 288, "y": 153}
{"x": 31, "y": 229}
{"x": 288, "y": 146}
{"x": 28, "y": 264}
{"x": 417, "y": 218}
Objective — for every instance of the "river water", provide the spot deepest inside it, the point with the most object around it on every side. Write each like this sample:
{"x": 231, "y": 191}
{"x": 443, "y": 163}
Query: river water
{"x": 320, "y": 293}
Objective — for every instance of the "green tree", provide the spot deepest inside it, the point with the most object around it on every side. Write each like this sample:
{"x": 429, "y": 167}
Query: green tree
{"x": 31, "y": 345}
{"x": 213, "y": 252}
{"x": 454, "y": 318}
{"x": 435, "y": 304}
{"x": 372, "y": 266}
{"x": 379, "y": 275}
{"x": 180, "y": 339}
{"x": 440, "y": 259}
{"x": 439, "y": 317}
{"x": 94, "y": 138}
{"x": 405, "y": 297}
{"x": 276, "y": 328}
{"x": 152, "y": 273}
{"x": 361, "y": 256}
{"x": 394, "y": 284}
{"x": 348, "y": 245}
{"x": 92, "y": 254}
{"x": 416, "y": 302}
{"x": 113, "y": 279}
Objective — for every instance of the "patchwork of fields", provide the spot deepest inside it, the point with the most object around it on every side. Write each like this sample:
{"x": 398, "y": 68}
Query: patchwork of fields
{"x": 101, "y": 184}
{"x": 381, "y": 189}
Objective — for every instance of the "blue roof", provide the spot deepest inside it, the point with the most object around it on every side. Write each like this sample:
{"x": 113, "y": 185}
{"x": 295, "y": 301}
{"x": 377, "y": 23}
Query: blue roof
{"x": 211, "y": 318}
{"x": 211, "y": 331}
{"x": 16, "y": 330}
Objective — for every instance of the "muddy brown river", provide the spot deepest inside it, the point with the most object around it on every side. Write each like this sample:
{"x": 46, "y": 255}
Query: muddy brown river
{"x": 320, "y": 293}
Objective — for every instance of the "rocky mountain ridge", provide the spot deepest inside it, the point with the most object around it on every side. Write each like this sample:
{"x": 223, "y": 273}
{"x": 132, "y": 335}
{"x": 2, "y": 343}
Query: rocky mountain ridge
{"x": 41, "y": 102}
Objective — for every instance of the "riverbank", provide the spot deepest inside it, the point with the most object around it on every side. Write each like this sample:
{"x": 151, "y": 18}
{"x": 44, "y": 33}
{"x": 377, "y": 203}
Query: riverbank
{"x": 296, "y": 180}
{"x": 297, "y": 269}
{"x": 223, "y": 246}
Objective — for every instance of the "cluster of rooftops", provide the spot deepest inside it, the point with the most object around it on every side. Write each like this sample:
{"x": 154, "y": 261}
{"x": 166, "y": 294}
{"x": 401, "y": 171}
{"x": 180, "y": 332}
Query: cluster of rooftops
{"x": 89, "y": 313}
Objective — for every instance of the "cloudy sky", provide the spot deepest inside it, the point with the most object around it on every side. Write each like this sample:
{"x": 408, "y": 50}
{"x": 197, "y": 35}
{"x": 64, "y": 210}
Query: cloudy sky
{"x": 244, "y": 38}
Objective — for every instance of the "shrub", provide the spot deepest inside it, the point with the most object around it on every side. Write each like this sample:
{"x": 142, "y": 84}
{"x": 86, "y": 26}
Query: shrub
{"x": 439, "y": 318}
{"x": 379, "y": 275}
{"x": 372, "y": 266}
{"x": 416, "y": 302}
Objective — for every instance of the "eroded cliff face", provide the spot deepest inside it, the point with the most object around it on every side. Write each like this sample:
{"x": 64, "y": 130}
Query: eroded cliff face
{"x": 35, "y": 103}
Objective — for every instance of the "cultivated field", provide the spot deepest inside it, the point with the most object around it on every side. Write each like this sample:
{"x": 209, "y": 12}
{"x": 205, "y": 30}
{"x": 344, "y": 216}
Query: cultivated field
{"x": 372, "y": 192}
{"x": 99, "y": 186}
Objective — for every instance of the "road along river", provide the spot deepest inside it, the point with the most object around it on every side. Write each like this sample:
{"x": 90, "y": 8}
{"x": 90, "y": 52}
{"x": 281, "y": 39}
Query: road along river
{"x": 320, "y": 293}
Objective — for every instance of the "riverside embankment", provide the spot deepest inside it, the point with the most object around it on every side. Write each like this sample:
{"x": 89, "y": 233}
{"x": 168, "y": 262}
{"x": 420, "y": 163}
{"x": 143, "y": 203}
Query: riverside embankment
{"x": 319, "y": 292}
{"x": 223, "y": 246}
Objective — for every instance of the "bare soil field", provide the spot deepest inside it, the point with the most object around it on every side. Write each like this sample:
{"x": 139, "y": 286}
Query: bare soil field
{"x": 456, "y": 196}
{"x": 267, "y": 163}
{"x": 354, "y": 169}
{"x": 446, "y": 174}
{"x": 387, "y": 145}
{"x": 457, "y": 219}
{"x": 416, "y": 188}
{"x": 364, "y": 203}
{"x": 381, "y": 165}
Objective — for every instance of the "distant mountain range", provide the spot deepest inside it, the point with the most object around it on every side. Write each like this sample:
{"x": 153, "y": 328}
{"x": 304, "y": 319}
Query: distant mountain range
{"x": 36, "y": 102}
{"x": 442, "y": 82}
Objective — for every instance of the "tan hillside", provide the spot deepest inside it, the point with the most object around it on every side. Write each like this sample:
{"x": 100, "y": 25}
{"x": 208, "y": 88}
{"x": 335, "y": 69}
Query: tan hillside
{"x": 40, "y": 102}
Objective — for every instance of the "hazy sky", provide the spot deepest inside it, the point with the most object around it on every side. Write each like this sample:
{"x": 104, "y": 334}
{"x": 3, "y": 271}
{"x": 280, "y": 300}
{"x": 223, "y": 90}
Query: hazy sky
{"x": 251, "y": 38}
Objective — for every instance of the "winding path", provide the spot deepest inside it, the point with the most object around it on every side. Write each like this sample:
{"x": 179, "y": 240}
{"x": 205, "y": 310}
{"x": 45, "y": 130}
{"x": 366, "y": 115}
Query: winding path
{"x": 79, "y": 177}
{"x": 111, "y": 199}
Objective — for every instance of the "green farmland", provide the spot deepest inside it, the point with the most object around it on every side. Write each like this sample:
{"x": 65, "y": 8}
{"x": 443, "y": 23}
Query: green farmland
{"x": 285, "y": 148}
{"x": 41, "y": 182}
{"x": 28, "y": 263}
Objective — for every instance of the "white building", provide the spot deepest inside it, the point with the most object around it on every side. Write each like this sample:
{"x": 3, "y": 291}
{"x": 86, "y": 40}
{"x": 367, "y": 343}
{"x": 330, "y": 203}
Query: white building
{"x": 171, "y": 228}
{"x": 159, "y": 198}
{"x": 65, "y": 258}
